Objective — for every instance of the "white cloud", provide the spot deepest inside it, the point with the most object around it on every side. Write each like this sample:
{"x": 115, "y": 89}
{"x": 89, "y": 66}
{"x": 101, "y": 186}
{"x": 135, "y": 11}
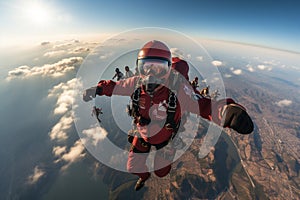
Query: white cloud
{"x": 237, "y": 72}
{"x": 79, "y": 50}
{"x": 264, "y": 67}
{"x": 45, "y": 43}
{"x": 58, "y": 150}
{"x": 59, "y": 130}
{"x": 199, "y": 58}
{"x": 96, "y": 134}
{"x": 48, "y": 70}
{"x": 261, "y": 67}
{"x": 37, "y": 174}
{"x": 65, "y": 93}
{"x": 63, "y": 45}
{"x": 217, "y": 63}
{"x": 179, "y": 53}
{"x": 284, "y": 103}
{"x": 250, "y": 68}
{"x": 51, "y": 54}
{"x": 19, "y": 71}
{"x": 227, "y": 75}
{"x": 75, "y": 153}
{"x": 272, "y": 62}
{"x": 106, "y": 55}
{"x": 70, "y": 51}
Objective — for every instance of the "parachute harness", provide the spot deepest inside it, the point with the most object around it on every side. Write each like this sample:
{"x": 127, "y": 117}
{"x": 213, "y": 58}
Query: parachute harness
{"x": 170, "y": 124}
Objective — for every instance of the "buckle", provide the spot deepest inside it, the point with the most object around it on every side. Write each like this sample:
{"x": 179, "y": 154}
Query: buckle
{"x": 172, "y": 102}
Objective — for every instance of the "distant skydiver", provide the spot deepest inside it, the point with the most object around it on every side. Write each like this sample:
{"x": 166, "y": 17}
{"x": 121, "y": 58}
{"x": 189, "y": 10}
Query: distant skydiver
{"x": 157, "y": 109}
{"x": 205, "y": 91}
{"x": 128, "y": 72}
{"x": 96, "y": 112}
{"x": 194, "y": 83}
{"x": 118, "y": 74}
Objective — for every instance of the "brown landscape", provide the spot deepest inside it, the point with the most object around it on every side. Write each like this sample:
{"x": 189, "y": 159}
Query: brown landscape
{"x": 270, "y": 154}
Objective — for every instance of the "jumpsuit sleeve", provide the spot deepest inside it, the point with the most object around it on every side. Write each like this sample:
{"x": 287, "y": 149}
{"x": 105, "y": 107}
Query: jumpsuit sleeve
{"x": 123, "y": 87}
{"x": 206, "y": 108}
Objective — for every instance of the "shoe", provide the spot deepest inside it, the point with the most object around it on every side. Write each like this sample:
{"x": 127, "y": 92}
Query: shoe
{"x": 139, "y": 184}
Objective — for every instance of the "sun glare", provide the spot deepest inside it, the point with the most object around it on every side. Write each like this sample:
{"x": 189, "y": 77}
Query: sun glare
{"x": 37, "y": 13}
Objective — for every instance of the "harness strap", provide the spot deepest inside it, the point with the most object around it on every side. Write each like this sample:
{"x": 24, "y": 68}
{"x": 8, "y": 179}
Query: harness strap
{"x": 135, "y": 98}
{"x": 171, "y": 111}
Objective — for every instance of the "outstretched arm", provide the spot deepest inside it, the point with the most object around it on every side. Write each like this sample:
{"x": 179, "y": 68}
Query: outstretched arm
{"x": 225, "y": 112}
{"x": 124, "y": 87}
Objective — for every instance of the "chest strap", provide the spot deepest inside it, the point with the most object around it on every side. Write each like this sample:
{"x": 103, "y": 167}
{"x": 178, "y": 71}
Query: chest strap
{"x": 133, "y": 111}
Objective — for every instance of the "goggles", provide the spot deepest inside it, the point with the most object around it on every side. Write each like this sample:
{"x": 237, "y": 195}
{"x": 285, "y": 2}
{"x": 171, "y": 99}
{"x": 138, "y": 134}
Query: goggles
{"x": 153, "y": 66}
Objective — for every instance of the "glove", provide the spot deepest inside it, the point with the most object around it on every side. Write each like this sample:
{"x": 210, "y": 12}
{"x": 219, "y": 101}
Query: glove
{"x": 130, "y": 138}
{"x": 235, "y": 117}
{"x": 130, "y": 135}
{"x": 89, "y": 94}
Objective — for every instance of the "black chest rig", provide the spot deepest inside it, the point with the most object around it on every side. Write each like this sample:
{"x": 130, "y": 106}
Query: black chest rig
{"x": 170, "y": 123}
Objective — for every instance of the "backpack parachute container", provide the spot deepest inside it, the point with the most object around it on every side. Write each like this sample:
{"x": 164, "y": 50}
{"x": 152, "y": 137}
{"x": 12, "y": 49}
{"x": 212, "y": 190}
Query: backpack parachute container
{"x": 181, "y": 66}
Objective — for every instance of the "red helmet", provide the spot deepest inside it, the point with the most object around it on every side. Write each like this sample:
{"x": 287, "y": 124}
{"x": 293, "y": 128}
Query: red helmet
{"x": 155, "y": 49}
{"x": 153, "y": 63}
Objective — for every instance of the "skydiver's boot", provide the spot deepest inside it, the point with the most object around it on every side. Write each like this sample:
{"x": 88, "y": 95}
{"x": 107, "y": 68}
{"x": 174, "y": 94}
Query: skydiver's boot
{"x": 140, "y": 183}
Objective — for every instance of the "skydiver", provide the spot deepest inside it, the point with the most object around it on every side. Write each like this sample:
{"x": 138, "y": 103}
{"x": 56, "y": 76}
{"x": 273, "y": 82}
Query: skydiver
{"x": 194, "y": 83}
{"x": 128, "y": 72}
{"x": 118, "y": 74}
{"x": 157, "y": 111}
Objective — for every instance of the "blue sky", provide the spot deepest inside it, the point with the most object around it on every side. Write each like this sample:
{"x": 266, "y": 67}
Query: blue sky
{"x": 261, "y": 22}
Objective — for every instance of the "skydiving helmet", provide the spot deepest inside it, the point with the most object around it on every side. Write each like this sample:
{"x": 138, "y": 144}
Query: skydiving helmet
{"x": 153, "y": 63}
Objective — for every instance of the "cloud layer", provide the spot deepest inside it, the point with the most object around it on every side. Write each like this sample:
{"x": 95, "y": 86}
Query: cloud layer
{"x": 65, "y": 94}
{"x": 58, "y": 69}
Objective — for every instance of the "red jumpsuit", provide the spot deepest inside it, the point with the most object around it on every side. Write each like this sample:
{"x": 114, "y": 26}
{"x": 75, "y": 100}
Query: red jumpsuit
{"x": 154, "y": 107}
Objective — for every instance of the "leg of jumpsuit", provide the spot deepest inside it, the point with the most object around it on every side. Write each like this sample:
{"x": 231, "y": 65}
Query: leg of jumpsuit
{"x": 136, "y": 163}
{"x": 163, "y": 160}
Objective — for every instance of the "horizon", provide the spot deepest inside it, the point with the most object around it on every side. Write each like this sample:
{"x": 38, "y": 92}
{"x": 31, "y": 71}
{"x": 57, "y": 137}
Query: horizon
{"x": 262, "y": 23}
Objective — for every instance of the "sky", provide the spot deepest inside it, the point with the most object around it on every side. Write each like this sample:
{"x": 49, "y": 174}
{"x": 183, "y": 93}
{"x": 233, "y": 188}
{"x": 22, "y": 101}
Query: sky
{"x": 260, "y": 22}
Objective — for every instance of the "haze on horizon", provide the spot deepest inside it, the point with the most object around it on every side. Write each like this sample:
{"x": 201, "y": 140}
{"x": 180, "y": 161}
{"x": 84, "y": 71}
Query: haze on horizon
{"x": 266, "y": 23}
